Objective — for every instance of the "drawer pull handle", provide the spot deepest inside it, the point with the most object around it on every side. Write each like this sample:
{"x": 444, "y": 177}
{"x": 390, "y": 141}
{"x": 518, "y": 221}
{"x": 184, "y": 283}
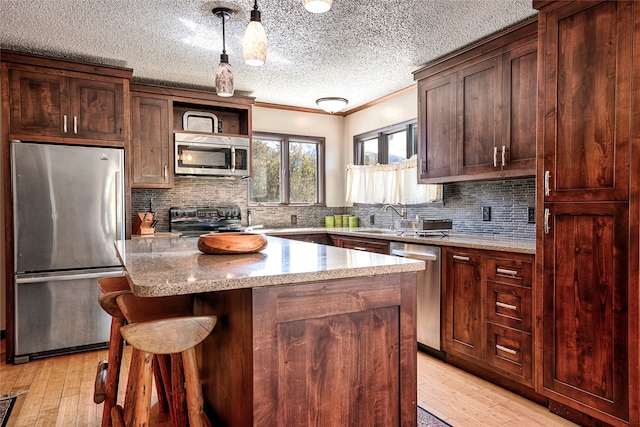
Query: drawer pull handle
{"x": 503, "y": 305}
{"x": 461, "y": 258}
{"x": 506, "y": 349}
{"x": 511, "y": 273}
{"x": 64, "y": 123}
{"x": 495, "y": 157}
{"x": 359, "y": 248}
{"x": 75, "y": 124}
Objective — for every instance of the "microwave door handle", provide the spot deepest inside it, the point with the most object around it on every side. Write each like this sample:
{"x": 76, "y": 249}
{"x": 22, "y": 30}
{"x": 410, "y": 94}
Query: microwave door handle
{"x": 233, "y": 159}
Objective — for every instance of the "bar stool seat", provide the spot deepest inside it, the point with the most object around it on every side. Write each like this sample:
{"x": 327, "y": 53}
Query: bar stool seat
{"x": 160, "y": 326}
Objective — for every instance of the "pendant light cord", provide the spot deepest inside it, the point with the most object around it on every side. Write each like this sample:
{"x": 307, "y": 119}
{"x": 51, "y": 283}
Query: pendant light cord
{"x": 224, "y": 49}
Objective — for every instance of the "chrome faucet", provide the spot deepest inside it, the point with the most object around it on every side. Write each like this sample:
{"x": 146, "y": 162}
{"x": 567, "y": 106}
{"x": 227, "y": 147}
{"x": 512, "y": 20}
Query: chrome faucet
{"x": 402, "y": 212}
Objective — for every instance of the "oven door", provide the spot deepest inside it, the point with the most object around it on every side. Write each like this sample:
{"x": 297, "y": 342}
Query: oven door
{"x": 208, "y": 155}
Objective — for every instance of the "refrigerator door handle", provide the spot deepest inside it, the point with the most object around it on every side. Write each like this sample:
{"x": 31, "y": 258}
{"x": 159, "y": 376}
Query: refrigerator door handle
{"x": 61, "y": 278}
{"x": 119, "y": 208}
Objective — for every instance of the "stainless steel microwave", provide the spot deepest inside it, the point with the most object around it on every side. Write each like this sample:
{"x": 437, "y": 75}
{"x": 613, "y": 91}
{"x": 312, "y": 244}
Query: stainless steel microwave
{"x": 197, "y": 154}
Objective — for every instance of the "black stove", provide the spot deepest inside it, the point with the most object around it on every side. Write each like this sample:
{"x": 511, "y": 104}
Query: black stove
{"x": 197, "y": 221}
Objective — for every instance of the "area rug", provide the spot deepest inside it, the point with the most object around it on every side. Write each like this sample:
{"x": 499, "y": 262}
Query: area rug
{"x": 6, "y": 405}
{"x": 427, "y": 419}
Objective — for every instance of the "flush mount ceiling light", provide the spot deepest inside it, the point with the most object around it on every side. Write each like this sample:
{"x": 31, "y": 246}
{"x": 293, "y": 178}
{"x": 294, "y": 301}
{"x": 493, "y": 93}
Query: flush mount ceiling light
{"x": 332, "y": 104}
{"x": 317, "y": 6}
{"x": 224, "y": 74}
{"x": 254, "y": 44}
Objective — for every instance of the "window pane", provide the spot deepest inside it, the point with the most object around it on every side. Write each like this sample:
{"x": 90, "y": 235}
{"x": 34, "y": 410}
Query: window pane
{"x": 303, "y": 172}
{"x": 370, "y": 151}
{"x": 397, "y": 143}
{"x": 413, "y": 138}
{"x": 265, "y": 181}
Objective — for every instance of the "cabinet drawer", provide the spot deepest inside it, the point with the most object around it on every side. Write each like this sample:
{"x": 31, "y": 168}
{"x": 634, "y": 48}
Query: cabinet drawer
{"x": 509, "y": 305}
{"x": 511, "y": 271}
{"x": 366, "y": 245}
{"x": 509, "y": 350}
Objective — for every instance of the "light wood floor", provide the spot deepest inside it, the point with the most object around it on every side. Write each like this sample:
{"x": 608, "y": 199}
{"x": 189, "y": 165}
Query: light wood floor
{"x": 60, "y": 393}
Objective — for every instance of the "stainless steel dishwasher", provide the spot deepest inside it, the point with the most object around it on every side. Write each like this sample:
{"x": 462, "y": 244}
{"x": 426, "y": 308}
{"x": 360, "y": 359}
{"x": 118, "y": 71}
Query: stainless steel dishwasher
{"x": 429, "y": 290}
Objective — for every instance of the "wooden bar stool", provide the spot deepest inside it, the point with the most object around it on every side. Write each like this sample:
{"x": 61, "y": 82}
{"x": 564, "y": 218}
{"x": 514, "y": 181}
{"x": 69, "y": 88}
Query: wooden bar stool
{"x": 161, "y": 326}
{"x": 108, "y": 375}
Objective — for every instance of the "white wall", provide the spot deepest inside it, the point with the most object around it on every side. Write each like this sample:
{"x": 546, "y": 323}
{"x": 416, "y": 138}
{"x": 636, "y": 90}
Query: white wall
{"x": 311, "y": 124}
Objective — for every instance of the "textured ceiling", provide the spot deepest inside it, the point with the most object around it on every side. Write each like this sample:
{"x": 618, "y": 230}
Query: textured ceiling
{"x": 360, "y": 50}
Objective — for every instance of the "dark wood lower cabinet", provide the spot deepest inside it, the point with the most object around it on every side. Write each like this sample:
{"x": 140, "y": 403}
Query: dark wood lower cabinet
{"x": 334, "y": 353}
{"x": 585, "y": 306}
{"x": 320, "y": 238}
{"x": 361, "y": 244}
{"x": 487, "y": 315}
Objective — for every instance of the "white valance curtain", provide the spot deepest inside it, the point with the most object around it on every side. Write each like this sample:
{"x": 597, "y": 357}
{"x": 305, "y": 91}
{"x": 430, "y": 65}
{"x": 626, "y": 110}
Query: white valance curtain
{"x": 392, "y": 183}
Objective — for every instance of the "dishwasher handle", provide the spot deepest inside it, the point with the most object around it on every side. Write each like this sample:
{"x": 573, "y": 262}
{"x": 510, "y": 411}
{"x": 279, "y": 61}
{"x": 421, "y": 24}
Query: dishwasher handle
{"x": 423, "y": 256}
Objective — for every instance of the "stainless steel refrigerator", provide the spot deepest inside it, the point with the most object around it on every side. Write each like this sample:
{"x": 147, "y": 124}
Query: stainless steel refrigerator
{"x": 68, "y": 209}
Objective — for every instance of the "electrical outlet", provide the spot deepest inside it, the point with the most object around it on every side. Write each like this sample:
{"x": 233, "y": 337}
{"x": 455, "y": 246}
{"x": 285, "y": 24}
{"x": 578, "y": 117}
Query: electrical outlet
{"x": 531, "y": 215}
{"x": 294, "y": 219}
{"x": 372, "y": 219}
{"x": 486, "y": 213}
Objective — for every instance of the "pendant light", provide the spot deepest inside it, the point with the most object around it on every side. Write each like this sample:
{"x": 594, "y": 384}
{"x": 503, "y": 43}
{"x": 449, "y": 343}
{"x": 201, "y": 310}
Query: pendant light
{"x": 254, "y": 44}
{"x": 224, "y": 74}
{"x": 332, "y": 104}
{"x": 317, "y": 6}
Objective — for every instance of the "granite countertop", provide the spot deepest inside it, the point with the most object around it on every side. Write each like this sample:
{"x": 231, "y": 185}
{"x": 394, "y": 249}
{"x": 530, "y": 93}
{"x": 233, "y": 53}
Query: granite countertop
{"x": 526, "y": 246}
{"x": 164, "y": 266}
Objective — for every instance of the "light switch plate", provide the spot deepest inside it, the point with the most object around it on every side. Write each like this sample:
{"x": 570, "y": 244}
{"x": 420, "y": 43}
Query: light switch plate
{"x": 486, "y": 213}
{"x": 531, "y": 215}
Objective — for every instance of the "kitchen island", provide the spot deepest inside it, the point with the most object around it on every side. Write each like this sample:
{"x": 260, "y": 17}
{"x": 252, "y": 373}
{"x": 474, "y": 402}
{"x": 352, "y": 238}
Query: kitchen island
{"x": 307, "y": 334}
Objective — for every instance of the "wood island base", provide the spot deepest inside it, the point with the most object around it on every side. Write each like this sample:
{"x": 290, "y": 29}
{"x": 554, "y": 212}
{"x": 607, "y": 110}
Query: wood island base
{"x": 328, "y": 353}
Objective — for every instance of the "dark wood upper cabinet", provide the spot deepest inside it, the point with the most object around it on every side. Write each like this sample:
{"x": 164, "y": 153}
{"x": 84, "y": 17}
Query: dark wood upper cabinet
{"x": 477, "y": 110}
{"x": 64, "y": 106}
{"x": 152, "y": 142}
{"x": 437, "y": 130}
{"x": 589, "y": 202}
{"x": 478, "y": 117}
{"x": 586, "y": 100}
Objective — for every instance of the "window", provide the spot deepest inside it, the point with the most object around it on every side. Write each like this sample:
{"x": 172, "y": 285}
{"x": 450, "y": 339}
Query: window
{"x": 287, "y": 170}
{"x": 388, "y": 145}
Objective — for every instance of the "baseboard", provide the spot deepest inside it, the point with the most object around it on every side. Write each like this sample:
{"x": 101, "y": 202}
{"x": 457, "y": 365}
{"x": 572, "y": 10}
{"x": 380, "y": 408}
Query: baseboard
{"x": 575, "y": 416}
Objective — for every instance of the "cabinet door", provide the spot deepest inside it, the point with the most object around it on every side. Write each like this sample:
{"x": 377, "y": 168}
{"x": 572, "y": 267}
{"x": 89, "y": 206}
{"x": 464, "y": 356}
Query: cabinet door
{"x": 437, "y": 127}
{"x": 584, "y": 305}
{"x": 39, "y": 103}
{"x": 478, "y": 117}
{"x": 151, "y": 142}
{"x": 519, "y": 109}
{"x": 463, "y": 309}
{"x": 586, "y": 106}
{"x": 97, "y": 109}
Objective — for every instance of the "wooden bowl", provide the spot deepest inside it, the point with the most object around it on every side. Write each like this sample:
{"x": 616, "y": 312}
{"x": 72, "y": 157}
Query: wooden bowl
{"x": 231, "y": 243}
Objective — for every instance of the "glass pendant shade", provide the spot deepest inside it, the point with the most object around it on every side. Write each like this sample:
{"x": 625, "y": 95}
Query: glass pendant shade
{"x": 224, "y": 78}
{"x": 332, "y": 104}
{"x": 317, "y": 6}
{"x": 254, "y": 44}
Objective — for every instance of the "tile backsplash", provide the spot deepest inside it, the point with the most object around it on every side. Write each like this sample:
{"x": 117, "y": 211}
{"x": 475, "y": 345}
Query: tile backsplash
{"x": 509, "y": 201}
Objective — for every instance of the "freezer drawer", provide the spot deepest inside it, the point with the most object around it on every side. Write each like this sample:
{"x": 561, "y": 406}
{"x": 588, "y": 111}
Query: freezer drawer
{"x": 58, "y": 315}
